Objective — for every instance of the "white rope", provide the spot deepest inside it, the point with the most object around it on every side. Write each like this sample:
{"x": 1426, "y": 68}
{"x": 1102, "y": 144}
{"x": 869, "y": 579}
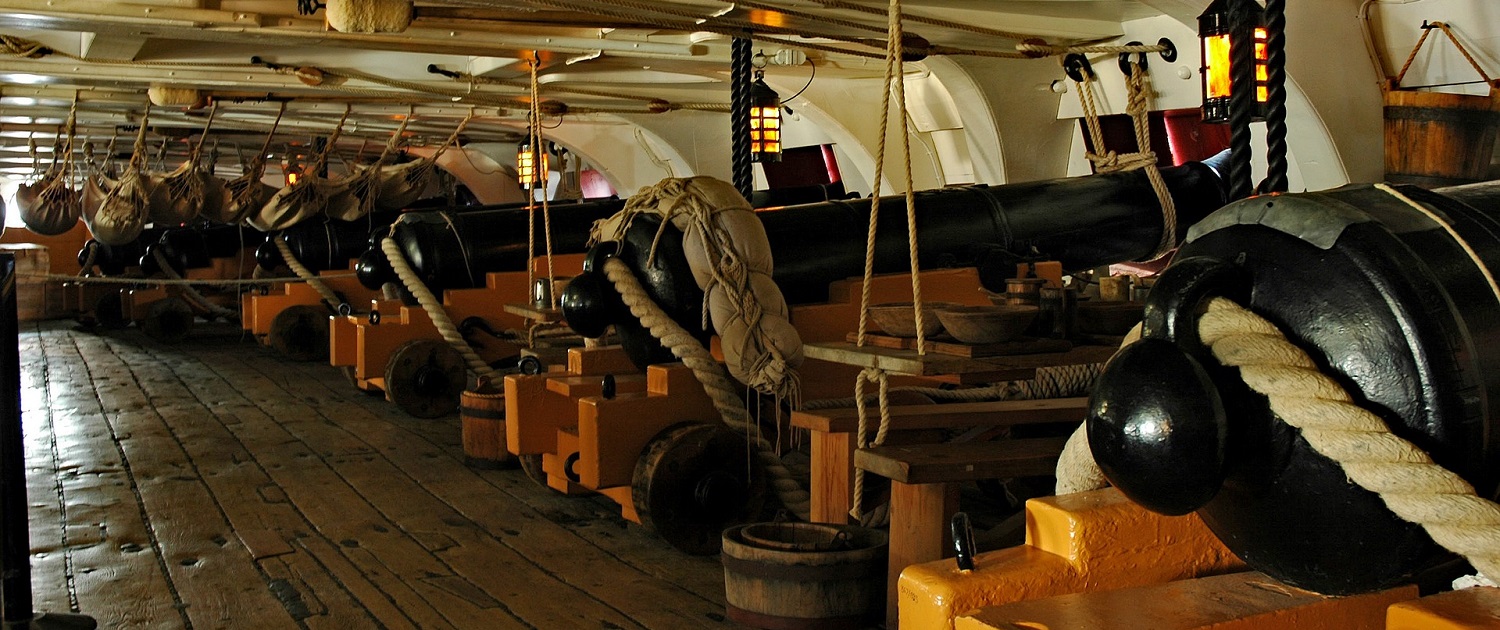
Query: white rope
{"x": 1468, "y": 249}
{"x": 332, "y": 298}
{"x": 1410, "y": 484}
{"x": 716, "y": 383}
{"x": 436, "y": 312}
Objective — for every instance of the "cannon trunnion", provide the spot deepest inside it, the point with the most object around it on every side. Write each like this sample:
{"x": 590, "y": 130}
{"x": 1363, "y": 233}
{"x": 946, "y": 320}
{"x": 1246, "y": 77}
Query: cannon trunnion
{"x": 1387, "y": 302}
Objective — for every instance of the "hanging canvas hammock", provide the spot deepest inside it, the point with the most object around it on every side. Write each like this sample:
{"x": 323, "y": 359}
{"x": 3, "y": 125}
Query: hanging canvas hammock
{"x": 50, "y": 206}
{"x": 247, "y": 193}
{"x": 307, "y": 197}
{"x": 363, "y": 192}
{"x": 403, "y": 184}
{"x": 125, "y": 204}
{"x": 183, "y": 192}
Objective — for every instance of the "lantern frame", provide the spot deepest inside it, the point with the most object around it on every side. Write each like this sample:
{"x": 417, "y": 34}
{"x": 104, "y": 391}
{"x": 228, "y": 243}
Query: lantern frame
{"x": 765, "y": 122}
{"x": 1215, "y": 37}
{"x": 527, "y": 162}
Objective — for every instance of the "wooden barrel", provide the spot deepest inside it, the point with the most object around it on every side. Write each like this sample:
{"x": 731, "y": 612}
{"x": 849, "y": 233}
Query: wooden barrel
{"x": 1436, "y": 139}
{"x": 804, "y": 575}
{"x": 482, "y": 413}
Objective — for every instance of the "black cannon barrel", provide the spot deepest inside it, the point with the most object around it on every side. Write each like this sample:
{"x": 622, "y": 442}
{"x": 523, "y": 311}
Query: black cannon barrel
{"x": 113, "y": 260}
{"x": 453, "y": 250}
{"x": 1082, "y": 221}
{"x": 196, "y": 247}
{"x": 325, "y": 245}
{"x": 1393, "y": 297}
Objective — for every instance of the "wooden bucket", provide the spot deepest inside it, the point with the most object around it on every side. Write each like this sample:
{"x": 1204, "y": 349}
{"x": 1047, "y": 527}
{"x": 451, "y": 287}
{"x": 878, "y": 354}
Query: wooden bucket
{"x": 482, "y": 414}
{"x": 804, "y": 575}
{"x": 1436, "y": 139}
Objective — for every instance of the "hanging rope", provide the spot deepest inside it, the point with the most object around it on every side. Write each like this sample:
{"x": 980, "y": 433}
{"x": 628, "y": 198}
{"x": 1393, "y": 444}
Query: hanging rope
{"x": 895, "y": 86}
{"x": 740, "y": 166}
{"x": 1242, "y": 97}
{"x": 1138, "y": 107}
{"x": 539, "y": 163}
{"x": 719, "y": 387}
{"x": 1276, "y": 147}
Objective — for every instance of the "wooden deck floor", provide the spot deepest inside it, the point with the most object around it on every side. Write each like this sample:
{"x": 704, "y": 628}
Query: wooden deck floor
{"x": 211, "y": 485}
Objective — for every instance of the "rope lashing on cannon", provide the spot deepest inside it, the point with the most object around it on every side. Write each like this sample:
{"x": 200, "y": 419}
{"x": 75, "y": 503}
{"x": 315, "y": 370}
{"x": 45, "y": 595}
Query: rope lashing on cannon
{"x": 1414, "y": 487}
{"x": 331, "y": 297}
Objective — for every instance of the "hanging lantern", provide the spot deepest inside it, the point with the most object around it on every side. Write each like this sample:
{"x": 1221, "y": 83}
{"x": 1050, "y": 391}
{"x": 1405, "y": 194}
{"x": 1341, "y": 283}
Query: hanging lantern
{"x": 1216, "y": 31}
{"x": 530, "y": 164}
{"x": 765, "y": 123}
{"x": 292, "y": 168}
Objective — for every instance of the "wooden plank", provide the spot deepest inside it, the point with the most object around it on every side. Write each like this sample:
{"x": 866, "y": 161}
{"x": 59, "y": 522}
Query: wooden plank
{"x": 535, "y": 313}
{"x": 120, "y": 580}
{"x": 966, "y": 461}
{"x": 657, "y": 595}
{"x": 377, "y": 549}
{"x": 919, "y": 518}
{"x": 909, "y": 362}
{"x": 941, "y": 416}
{"x": 423, "y": 510}
{"x": 584, "y": 386}
{"x": 217, "y": 580}
{"x": 832, "y": 476}
{"x": 948, "y": 345}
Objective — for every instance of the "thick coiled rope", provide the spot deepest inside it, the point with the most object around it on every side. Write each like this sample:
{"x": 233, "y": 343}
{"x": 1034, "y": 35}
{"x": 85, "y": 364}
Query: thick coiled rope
{"x": 716, "y": 383}
{"x": 1414, "y": 487}
{"x": 436, "y": 312}
{"x": 330, "y": 297}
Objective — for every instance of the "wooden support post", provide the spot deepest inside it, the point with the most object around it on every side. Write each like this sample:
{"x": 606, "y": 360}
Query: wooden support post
{"x": 915, "y": 535}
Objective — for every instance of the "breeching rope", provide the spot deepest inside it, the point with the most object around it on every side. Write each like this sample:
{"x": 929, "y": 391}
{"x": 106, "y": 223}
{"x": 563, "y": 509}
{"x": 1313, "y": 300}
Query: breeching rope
{"x": 1410, "y": 484}
{"x": 436, "y": 312}
{"x": 894, "y": 82}
{"x": 716, "y": 383}
{"x": 1138, "y": 107}
{"x": 331, "y": 297}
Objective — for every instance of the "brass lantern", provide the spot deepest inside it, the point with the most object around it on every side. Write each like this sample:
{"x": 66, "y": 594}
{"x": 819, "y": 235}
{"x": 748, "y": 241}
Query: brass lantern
{"x": 531, "y": 163}
{"x": 1216, "y": 31}
{"x": 765, "y": 122}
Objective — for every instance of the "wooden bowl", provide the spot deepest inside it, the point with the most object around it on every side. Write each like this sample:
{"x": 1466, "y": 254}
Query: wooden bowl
{"x": 987, "y": 324}
{"x": 900, "y": 319}
{"x": 1109, "y": 318}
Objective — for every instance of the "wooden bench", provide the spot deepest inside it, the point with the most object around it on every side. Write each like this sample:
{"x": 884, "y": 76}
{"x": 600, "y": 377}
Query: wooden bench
{"x": 833, "y": 441}
{"x": 924, "y": 490}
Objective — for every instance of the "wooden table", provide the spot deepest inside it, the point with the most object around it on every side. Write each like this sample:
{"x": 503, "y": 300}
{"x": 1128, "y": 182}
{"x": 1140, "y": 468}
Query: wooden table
{"x": 833, "y": 440}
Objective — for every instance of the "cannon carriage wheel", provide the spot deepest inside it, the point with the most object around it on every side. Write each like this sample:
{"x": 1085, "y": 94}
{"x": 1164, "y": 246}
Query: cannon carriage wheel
{"x": 300, "y": 333}
{"x": 694, "y": 480}
{"x": 168, "y": 320}
{"x": 424, "y": 377}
